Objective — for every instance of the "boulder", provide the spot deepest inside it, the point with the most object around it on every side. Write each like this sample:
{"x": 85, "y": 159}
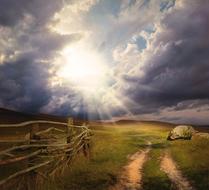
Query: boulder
{"x": 181, "y": 132}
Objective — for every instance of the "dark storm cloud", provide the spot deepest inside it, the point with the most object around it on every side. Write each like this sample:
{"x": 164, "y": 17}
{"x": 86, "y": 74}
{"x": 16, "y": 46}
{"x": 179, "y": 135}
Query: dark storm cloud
{"x": 191, "y": 104}
{"x": 24, "y": 85}
{"x": 45, "y": 44}
{"x": 29, "y": 48}
{"x": 24, "y": 82}
{"x": 178, "y": 68}
{"x": 13, "y": 11}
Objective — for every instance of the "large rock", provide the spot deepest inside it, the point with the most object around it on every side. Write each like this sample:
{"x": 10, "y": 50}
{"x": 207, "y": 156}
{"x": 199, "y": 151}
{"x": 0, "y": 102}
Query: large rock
{"x": 181, "y": 132}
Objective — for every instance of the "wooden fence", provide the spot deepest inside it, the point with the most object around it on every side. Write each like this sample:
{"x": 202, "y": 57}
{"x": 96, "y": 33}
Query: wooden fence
{"x": 45, "y": 149}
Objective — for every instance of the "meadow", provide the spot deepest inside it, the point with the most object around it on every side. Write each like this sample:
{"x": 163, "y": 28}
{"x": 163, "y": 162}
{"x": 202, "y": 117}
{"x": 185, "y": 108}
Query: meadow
{"x": 113, "y": 144}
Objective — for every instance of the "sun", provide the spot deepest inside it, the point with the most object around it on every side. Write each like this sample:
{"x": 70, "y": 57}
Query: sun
{"x": 83, "y": 67}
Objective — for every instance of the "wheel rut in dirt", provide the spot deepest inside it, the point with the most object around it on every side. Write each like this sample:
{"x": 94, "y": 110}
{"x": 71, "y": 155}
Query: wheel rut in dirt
{"x": 131, "y": 177}
{"x": 175, "y": 175}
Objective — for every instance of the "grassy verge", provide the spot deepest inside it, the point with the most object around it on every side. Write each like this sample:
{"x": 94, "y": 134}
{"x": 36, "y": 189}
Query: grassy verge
{"x": 193, "y": 159}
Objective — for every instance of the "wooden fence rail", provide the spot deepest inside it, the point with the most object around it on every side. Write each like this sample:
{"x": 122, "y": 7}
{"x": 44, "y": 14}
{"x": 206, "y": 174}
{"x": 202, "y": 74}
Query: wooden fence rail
{"x": 45, "y": 151}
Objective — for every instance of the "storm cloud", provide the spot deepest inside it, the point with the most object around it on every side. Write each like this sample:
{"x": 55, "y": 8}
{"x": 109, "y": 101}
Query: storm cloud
{"x": 157, "y": 53}
{"x": 28, "y": 48}
{"x": 13, "y": 11}
{"x": 176, "y": 67}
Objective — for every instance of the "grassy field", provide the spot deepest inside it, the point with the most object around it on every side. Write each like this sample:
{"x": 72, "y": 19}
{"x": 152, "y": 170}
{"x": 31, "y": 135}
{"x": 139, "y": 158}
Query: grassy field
{"x": 193, "y": 159}
{"x": 111, "y": 146}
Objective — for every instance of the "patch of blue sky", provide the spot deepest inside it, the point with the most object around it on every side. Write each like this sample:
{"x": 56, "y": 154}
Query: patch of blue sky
{"x": 144, "y": 3}
{"x": 140, "y": 42}
{"x": 166, "y": 4}
{"x": 103, "y": 9}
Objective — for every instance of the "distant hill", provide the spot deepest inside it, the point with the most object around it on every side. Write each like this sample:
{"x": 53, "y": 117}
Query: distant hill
{"x": 126, "y": 121}
{"x": 11, "y": 116}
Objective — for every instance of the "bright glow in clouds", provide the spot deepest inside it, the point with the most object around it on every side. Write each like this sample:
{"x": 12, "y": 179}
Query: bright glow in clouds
{"x": 84, "y": 68}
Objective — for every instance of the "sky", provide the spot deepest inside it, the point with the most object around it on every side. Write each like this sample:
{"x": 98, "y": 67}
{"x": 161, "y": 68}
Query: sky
{"x": 105, "y": 59}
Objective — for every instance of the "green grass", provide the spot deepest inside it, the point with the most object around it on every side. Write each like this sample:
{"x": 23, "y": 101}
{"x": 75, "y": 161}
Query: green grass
{"x": 193, "y": 159}
{"x": 153, "y": 177}
{"x": 111, "y": 146}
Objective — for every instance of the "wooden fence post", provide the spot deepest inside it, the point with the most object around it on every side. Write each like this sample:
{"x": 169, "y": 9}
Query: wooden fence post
{"x": 69, "y": 129}
{"x": 69, "y": 133}
{"x": 86, "y": 146}
{"x": 70, "y": 123}
{"x": 33, "y": 130}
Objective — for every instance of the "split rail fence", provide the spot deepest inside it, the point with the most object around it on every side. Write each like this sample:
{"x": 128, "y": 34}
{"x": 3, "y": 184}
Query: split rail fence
{"x": 43, "y": 150}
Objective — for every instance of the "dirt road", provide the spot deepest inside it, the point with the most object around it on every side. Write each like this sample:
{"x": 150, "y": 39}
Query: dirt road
{"x": 174, "y": 174}
{"x": 131, "y": 177}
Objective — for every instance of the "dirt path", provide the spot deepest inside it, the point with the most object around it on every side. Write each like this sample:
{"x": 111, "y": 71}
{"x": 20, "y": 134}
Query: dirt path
{"x": 132, "y": 174}
{"x": 175, "y": 175}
